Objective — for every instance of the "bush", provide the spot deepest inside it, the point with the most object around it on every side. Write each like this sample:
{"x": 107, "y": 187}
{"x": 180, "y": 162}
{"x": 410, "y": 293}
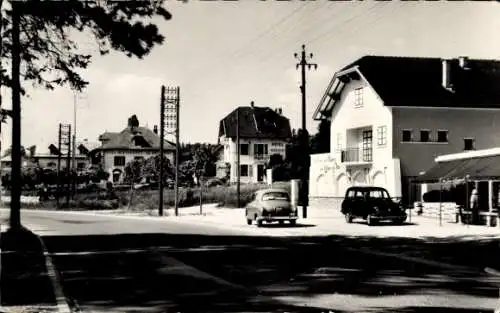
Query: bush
{"x": 225, "y": 196}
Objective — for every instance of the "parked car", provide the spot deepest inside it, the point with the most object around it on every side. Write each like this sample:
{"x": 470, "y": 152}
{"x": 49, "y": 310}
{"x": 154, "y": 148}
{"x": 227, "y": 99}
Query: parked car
{"x": 372, "y": 204}
{"x": 270, "y": 205}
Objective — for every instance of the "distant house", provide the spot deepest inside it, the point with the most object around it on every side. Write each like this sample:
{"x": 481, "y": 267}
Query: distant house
{"x": 50, "y": 159}
{"x": 263, "y": 132}
{"x": 132, "y": 143}
{"x": 392, "y": 116}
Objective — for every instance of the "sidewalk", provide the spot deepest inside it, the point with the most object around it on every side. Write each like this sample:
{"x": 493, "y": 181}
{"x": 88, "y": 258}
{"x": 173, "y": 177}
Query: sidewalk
{"x": 331, "y": 222}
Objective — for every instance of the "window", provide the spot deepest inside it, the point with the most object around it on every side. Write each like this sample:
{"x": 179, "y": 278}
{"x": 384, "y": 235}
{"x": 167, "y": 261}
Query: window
{"x": 260, "y": 150}
{"x": 358, "y": 97}
{"x": 442, "y": 136}
{"x": 339, "y": 141}
{"x": 382, "y": 135}
{"x": 51, "y": 164}
{"x": 244, "y": 170}
{"x": 425, "y": 136}
{"x": 244, "y": 149}
{"x": 367, "y": 146}
{"x": 468, "y": 144}
{"x": 119, "y": 161}
{"x": 80, "y": 165}
{"x": 407, "y": 134}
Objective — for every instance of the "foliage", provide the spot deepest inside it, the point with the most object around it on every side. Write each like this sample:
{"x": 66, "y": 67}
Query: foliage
{"x": 50, "y": 54}
{"x": 197, "y": 160}
{"x": 8, "y": 151}
{"x": 149, "y": 169}
{"x": 320, "y": 142}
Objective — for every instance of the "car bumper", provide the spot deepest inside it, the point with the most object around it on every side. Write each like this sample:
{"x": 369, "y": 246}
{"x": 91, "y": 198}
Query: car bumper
{"x": 389, "y": 217}
{"x": 277, "y": 218}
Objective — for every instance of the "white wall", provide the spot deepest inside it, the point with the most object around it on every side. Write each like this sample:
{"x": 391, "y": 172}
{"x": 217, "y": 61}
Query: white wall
{"x": 108, "y": 159}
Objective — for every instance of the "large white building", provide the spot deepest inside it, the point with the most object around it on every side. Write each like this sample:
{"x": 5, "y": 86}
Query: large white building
{"x": 263, "y": 132}
{"x": 392, "y": 116}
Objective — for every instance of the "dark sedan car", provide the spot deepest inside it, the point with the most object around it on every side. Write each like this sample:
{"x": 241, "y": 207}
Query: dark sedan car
{"x": 372, "y": 204}
{"x": 270, "y": 205}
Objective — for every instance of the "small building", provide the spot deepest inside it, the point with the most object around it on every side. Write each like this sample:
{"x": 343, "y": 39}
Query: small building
{"x": 263, "y": 132}
{"x": 132, "y": 143}
{"x": 470, "y": 170}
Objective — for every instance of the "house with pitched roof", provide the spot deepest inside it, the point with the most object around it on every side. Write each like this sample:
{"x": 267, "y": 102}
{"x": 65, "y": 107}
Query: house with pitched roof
{"x": 50, "y": 159}
{"x": 392, "y": 116}
{"x": 134, "y": 142}
{"x": 262, "y": 133}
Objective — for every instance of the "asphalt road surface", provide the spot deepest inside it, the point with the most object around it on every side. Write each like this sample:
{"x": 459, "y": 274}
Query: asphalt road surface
{"x": 114, "y": 264}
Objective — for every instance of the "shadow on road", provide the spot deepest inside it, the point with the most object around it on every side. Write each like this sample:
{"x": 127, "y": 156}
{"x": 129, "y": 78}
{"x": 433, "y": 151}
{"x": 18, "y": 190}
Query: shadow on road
{"x": 142, "y": 272}
{"x": 385, "y": 223}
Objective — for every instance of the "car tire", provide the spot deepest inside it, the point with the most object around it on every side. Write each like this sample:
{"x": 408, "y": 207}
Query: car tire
{"x": 293, "y": 222}
{"x": 398, "y": 221}
{"x": 348, "y": 217}
{"x": 249, "y": 221}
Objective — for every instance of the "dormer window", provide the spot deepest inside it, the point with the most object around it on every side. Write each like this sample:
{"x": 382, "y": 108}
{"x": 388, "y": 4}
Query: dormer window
{"x": 139, "y": 141}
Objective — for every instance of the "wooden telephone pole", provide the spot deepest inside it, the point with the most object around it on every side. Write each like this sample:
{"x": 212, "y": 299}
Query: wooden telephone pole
{"x": 304, "y": 190}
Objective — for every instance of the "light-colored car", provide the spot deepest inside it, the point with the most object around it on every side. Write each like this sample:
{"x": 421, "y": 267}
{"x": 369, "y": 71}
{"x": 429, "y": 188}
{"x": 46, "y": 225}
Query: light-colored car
{"x": 271, "y": 205}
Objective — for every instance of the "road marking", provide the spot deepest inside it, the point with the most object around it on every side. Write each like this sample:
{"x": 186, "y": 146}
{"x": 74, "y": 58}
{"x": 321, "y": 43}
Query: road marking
{"x": 62, "y": 302}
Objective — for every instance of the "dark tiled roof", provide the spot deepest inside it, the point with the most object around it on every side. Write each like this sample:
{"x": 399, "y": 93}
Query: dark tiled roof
{"x": 411, "y": 81}
{"x": 125, "y": 139}
{"x": 256, "y": 122}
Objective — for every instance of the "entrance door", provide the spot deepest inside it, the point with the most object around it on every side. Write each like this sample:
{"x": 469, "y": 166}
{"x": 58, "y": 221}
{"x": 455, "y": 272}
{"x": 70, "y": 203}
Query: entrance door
{"x": 260, "y": 172}
{"x": 367, "y": 146}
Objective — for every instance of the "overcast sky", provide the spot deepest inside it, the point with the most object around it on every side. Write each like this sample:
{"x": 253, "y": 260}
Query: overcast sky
{"x": 226, "y": 54}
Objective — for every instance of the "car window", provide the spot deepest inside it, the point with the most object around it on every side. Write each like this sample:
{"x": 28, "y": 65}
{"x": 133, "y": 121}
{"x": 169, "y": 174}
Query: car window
{"x": 275, "y": 195}
{"x": 379, "y": 194}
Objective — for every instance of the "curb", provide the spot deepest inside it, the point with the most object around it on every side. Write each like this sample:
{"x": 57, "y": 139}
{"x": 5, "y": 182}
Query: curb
{"x": 61, "y": 301}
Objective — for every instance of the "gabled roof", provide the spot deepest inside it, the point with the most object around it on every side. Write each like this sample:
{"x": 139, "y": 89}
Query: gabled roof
{"x": 126, "y": 139}
{"x": 417, "y": 82}
{"x": 256, "y": 122}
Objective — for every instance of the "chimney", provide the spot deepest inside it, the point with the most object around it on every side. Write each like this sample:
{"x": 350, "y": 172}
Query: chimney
{"x": 280, "y": 111}
{"x": 252, "y": 104}
{"x": 155, "y": 129}
{"x": 445, "y": 77}
{"x": 463, "y": 62}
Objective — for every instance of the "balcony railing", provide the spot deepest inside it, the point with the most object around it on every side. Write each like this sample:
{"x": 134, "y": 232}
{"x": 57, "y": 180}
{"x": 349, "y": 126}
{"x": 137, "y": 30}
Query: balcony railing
{"x": 261, "y": 156}
{"x": 357, "y": 155}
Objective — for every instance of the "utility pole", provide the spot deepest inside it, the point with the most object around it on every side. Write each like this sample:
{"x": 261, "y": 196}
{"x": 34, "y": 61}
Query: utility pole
{"x": 238, "y": 157}
{"x": 74, "y": 176}
{"x": 162, "y": 140}
{"x": 170, "y": 113}
{"x": 304, "y": 190}
{"x": 177, "y": 150}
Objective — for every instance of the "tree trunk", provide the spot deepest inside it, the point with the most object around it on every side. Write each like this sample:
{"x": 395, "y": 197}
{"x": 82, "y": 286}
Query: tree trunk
{"x": 15, "y": 201}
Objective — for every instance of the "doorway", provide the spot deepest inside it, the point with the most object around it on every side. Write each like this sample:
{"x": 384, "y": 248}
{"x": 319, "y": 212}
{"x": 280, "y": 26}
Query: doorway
{"x": 260, "y": 172}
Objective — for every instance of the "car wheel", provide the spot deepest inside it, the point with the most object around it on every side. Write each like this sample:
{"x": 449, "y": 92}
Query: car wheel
{"x": 348, "y": 217}
{"x": 398, "y": 221}
{"x": 293, "y": 222}
{"x": 249, "y": 221}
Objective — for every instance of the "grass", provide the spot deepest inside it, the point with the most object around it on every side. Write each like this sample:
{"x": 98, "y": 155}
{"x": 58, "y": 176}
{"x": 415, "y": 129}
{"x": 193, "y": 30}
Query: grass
{"x": 147, "y": 200}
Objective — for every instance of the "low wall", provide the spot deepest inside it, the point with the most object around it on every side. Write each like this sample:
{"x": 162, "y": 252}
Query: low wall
{"x": 24, "y": 199}
{"x": 431, "y": 209}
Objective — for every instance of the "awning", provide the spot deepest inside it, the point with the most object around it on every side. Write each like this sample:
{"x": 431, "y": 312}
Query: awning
{"x": 480, "y": 168}
{"x": 439, "y": 171}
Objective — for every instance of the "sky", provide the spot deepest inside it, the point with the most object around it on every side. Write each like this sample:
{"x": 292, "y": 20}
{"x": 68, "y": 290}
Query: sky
{"x": 225, "y": 54}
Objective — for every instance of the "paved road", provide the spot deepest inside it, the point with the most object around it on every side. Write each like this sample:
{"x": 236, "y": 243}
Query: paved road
{"x": 114, "y": 264}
